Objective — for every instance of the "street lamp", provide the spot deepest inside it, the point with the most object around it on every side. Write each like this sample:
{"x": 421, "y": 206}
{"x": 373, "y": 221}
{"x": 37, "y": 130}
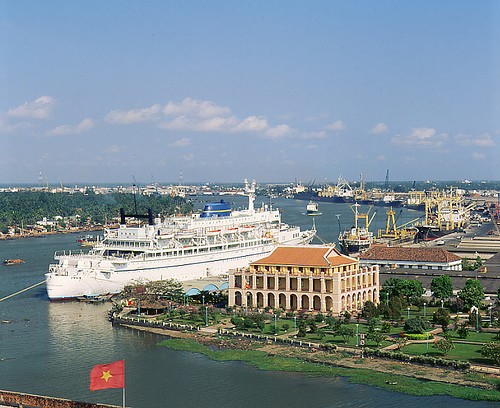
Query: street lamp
{"x": 491, "y": 307}
{"x": 295, "y": 326}
{"x": 426, "y": 342}
{"x": 357, "y": 331}
{"x": 206, "y": 315}
{"x": 408, "y": 312}
{"x": 475, "y": 309}
{"x": 203, "y": 300}
{"x": 425, "y": 304}
{"x": 442, "y": 303}
{"x": 275, "y": 325}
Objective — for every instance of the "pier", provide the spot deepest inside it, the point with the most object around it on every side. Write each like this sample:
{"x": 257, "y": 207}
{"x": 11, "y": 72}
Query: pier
{"x": 9, "y": 399}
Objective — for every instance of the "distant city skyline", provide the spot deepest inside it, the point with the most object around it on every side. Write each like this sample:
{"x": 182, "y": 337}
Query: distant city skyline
{"x": 268, "y": 90}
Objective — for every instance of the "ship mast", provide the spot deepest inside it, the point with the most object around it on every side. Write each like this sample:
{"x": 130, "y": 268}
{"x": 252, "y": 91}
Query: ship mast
{"x": 250, "y": 190}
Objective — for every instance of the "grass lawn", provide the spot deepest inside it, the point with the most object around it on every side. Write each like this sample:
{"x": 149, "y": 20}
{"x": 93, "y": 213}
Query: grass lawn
{"x": 462, "y": 352}
{"x": 480, "y": 337}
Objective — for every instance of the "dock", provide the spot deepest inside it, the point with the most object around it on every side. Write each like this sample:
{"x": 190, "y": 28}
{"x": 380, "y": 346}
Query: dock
{"x": 9, "y": 399}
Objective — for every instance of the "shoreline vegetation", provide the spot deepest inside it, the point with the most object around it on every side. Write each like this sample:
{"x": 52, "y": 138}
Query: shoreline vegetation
{"x": 390, "y": 375}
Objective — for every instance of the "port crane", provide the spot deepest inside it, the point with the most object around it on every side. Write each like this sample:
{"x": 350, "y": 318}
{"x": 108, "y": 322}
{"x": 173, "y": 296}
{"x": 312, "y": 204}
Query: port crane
{"x": 395, "y": 232}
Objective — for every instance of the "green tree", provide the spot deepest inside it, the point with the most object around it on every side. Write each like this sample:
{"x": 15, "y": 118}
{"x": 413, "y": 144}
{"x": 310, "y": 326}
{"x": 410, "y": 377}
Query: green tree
{"x": 492, "y": 351}
{"x": 394, "y": 309}
{"x": 370, "y": 310}
{"x": 444, "y": 345}
{"x": 407, "y": 288}
{"x": 463, "y": 330}
{"x": 347, "y": 317}
{"x": 415, "y": 325}
{"x": 302, "y": 328}
{"x": 170, "y": 289}
{"x": 442, "y": 317}
{"x": 377, "y": 337}
{"x": 411, "y": 289}
{"x": 390, "y": 289}
{"x": 441, "y": 287}
{"x": 346, "y": 332}
{"x": 472, "y": 294}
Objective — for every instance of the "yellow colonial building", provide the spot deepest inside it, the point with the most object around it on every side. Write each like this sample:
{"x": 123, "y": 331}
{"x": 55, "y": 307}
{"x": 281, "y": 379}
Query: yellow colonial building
{"x": 314, "y": 278}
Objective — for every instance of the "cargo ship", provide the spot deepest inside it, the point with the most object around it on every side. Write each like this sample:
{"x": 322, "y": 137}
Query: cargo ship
{"x": 357, "y": 238}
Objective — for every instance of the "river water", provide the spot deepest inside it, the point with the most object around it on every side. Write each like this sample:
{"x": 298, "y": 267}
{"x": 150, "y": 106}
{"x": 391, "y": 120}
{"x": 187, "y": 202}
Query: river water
{"x": 49, "y": 348}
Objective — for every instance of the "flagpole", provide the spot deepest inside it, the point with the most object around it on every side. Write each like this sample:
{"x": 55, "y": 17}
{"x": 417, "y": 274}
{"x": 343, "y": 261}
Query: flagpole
{"x": 123, "y": 384}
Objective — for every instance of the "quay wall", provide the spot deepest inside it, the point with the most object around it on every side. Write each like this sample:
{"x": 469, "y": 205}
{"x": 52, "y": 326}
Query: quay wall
{"x": 21, "y": 400}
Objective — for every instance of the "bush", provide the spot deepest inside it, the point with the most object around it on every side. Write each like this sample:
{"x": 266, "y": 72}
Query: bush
{"x": 330, "y": 347}
{"x": 420, "y": 359}
{"x": 319, "y": 318}
{"x": 419, "y": 336}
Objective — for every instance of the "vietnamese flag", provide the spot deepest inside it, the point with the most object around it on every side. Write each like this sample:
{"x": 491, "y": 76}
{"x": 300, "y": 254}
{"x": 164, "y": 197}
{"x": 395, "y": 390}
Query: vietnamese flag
{"x": 110, "y": 375}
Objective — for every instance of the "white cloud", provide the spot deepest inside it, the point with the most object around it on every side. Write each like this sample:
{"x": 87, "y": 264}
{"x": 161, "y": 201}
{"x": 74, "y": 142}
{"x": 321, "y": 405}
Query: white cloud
{"x": 478, "y": 156}
{"x": 421, "y": 137}
{"x": 134, "y": 116}
{"x": 484, "y": 140}
{"x": 252, "y": 124}
{"x": 336, "y": 126}
{"x": 381, "y": 157}
{"x": 83, "y": 126}
{"x": 190, "y": 124}
{"x": 6, "y": 127}
{"x": 193, "y": 107}
{"x": 379, "y": 129}
{"x": 193, "y": 115}
{"x": 279, "y": 132}
{"x": 188, "y": 157}
{"x": 38, "y": 109}
{"x": 182, "y": 142}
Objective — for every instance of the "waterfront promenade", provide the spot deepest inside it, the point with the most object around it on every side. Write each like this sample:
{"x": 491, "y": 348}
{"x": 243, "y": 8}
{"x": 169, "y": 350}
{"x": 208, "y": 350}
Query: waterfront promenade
{"x": 9, "y": 399}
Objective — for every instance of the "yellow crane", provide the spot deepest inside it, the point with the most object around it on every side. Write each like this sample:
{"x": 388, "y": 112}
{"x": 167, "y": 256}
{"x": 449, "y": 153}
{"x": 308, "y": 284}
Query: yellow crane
{"x": 395, "y": 232}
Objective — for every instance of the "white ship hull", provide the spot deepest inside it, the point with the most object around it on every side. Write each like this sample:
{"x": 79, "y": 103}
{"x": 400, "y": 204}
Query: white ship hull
{"x": 179, "y": 248}
{"x": 101, "y": 281}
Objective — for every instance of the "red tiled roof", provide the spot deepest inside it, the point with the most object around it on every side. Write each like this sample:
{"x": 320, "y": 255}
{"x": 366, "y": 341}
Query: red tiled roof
{"x": 319, "y": 256}
{"x": 383, "y": 253}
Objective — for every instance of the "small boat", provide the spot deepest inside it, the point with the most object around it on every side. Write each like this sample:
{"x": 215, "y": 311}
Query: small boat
{"x": 312, "y": 208}
{"x": 95, "y": 298}
{"x": 13, "y": 262}
{"x": 88, "y": 240}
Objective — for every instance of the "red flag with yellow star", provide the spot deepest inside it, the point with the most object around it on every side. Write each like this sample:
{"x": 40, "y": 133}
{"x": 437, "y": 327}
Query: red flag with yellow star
{"x": 110, "y": 375}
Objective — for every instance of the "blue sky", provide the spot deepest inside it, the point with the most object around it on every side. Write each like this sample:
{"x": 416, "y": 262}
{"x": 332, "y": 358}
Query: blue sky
{"x": 94, "y": 91}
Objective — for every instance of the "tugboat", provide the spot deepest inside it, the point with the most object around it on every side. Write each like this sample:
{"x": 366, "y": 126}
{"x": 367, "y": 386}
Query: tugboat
{"x": 357, "y": 239}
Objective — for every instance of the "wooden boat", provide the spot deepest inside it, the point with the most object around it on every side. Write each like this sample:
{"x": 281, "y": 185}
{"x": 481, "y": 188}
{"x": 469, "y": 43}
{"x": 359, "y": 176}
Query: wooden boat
{"x": 13, "y": 262}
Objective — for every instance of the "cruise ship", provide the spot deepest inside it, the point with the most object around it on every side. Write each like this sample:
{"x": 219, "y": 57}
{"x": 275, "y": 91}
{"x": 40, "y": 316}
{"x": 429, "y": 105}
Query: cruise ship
{"x": 204, "y": 244}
